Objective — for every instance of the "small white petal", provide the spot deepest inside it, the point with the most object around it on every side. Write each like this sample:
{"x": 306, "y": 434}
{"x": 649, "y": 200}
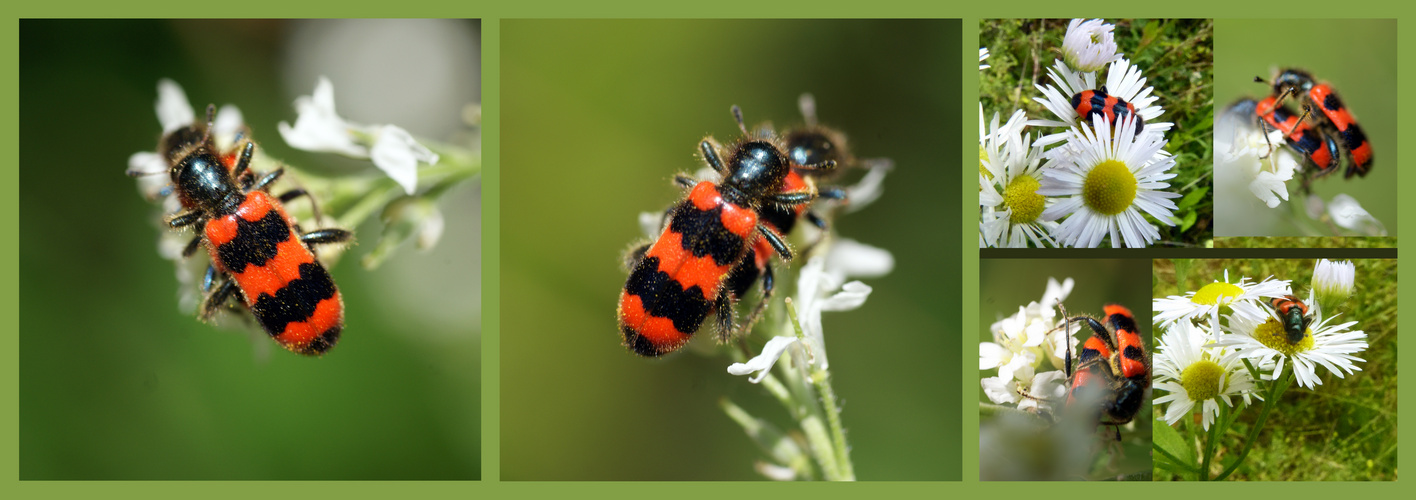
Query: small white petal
{"x": 174, "y": 111}
{"x": 318, "y": 127}
{"x": 397, "y": 154}
{"x": 850, "y": 258}
{"x": 149, "y": 169}
{"x": 762, "y": 363}
{"x": 869, "y": 188}
{"x": 851, "y": 296}
{"x": 999, "y": 390}
{"x": 430, "y": 229}
{"x": 991, "y": 355}
{"x": 651, "y": 223}
{"x": 228, "y": 121}
{"x": 1347, "y": 212}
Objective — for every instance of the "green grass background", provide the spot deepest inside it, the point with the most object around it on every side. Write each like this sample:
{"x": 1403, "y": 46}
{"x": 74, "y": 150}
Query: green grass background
{"x": 116, "y": 383}
{"x": 1358, "y": 57}
{"x": 598, "y": 116}
{"x": 1175, "y": 56}
{"x": 1007, "y": 284}
{"x": 1342, "y": 430}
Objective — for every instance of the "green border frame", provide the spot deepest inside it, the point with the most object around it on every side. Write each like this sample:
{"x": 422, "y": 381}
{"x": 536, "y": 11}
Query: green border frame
{"x": 492, "y": 14}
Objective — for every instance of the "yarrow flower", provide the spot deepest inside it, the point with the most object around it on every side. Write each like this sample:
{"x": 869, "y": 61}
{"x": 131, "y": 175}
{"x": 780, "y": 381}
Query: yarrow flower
{"x": 319, "y": 128}
{"x": 1266, "y": 342}
{"x": 1209, "y": 300}
{"x": 1193, "y": 372}
{"x": 1089, "y": 45}
{"x": 1111, "y": 176}
{"x": 1241, "y": 148}
{"x": 1009, "y": 178}
{"x": 1020, "y": 340}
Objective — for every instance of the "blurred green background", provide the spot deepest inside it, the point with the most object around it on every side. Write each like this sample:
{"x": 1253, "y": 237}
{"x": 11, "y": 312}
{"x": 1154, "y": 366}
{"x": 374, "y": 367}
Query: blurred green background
{"x": 1342, "y": 430}
{"x": 1175, "y": 57}
{"x": 1006, "y": 284}
{"x": 1358, "y": 57}
{"x": 116, "y": 383}
{"x": 597, "y": 118}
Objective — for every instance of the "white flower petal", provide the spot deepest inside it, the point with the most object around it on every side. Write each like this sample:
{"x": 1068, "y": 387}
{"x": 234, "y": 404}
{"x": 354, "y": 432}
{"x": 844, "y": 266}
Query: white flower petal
{"x": 397, "y": 154}
{"x": 762, "y": 363}
{"x": 849, "y": 258}
{"x": 174, "y": 111}
{"x": 318, "y": 127}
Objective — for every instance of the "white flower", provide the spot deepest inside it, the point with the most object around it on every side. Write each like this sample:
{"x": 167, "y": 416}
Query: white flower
{"x": 1265, "y": 341}
{"x": 1013, "y": 354}
{"x": 762, "y": 363}
{"x": 174, "y": 111}
{"x": 1241, "y": 147}
{"x": 1123, "y": 81}
{"x": 1089, "y": 45}
{"x": 1111, "y": 176}
{"x": 982, "y": 54}
{"x": 1347, "y": 212}
{"x": 1042, "y": 390}
{"x": 319, "y": 128}
{"x": 1009, "y": 178}
{"x": 870, "y": 187}
{"x": 1209, "y": 299}
{"x": 1333, "y": 282}
{"x": 1057, "y": 342}
{"x": 1046, "y": 390}
{"x": 817, "y": 287}
{"x": 1192, "y": 371}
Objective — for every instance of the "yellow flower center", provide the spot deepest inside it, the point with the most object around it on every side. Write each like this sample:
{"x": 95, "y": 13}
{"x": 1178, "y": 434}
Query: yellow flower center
{"x": 983, "y": 169}
{"x": 1217, "y": 293}
{"x": 1021, "y": 196}
{"x": 1110, "y": 188}
{"x": 1201, "y": 380}
{"x": 1272, "y": 335}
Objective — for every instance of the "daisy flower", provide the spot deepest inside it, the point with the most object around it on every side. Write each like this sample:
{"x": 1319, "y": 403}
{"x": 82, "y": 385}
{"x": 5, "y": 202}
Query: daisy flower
{"x": 990, "y": 143}
{"x": 1110, "y": 175}
{"x": 1333, "y": 282}
{"x": 1123, "y": 81}
{"x": 1209, "y": 299}
{"x": 1263, "y": 342}
{"x": 1089, "y": 45}
{"x": 1192, "y": 372}
{"x": 982, "y": 54}
{"x": 1010, "y": 176}
{"x": 1240, "y": 148}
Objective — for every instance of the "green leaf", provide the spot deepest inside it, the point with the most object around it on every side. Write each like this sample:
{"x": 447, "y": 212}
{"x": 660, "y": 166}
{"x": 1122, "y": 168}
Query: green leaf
{"x": 1167, "y": 440}
{"x": 1187, "y": 220}
{"x": 1194, "y": 196}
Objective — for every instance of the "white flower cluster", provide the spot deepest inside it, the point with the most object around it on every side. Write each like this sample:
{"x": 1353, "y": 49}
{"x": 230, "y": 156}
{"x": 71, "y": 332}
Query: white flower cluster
{"x": 1020, "y": 343}
{"x": 1097, "y": 177}
{"x": 1210, "y": 332}
{"x": 1247, "y": 156}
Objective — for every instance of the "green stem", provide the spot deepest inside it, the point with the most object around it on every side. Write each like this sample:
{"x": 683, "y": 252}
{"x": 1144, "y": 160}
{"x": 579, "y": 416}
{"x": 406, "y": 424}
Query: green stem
{"x": 1209, "y": 449}
{"x": 822, "y": 380}
{"x": 1275, "y": 393}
